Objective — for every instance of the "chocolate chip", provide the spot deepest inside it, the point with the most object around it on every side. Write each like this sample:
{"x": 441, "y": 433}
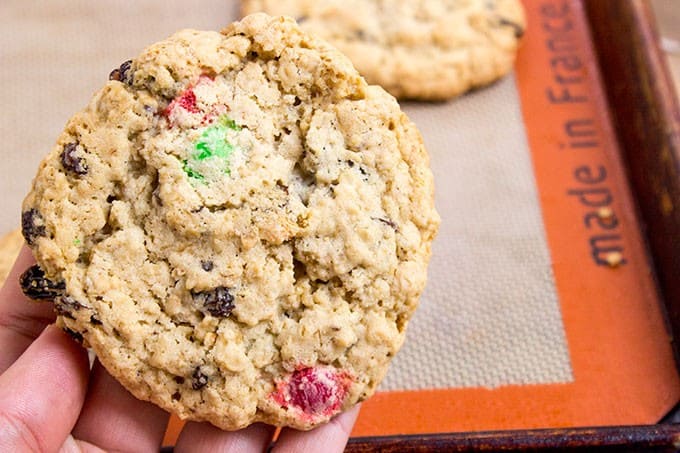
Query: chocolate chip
{"x": 518, "y": 29}
{"x": 73, "y": 334}
{"x": 35, "y": 286}
{"x": 219, "y": 302}
{"x": 179, "y": 379}
{"x": 207, "y": 265}
{"x": 66, "y": 305}
{"x": 297, "y": 102}
{"x": 123, "y": 73}
{"x": 71, "y": 162}
{"x": 94, "y": 320}
{"x": 198, "y": 379}
{"x": 388, "y": 222}
{"x": 32, "y": 226}
{"x": 176, "y": 396}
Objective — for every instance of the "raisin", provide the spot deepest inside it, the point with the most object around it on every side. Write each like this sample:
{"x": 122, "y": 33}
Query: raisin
{"x": 207, "y": 265}
{"x": 179, "y": 379}
{"x": 176, "y": 396}
{"x": 66, "y": 305}
{"x": 95, "y": 321}
{"x": 122, "y": 73}
{"x": 282, "y": 186}
{"x": 71, "y": 162}
{"x": 125, "y": 74}
{"x": 73, "y": 334}
{"x": 219, "y": 302}
{"x": 198, "y": 379}
{"x": 35, "y": 286}
{"x": 32, "y": 226}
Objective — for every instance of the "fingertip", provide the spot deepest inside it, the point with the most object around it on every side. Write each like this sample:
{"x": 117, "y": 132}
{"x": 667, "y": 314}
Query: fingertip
{"x": 56, "y": 358}
{"x": 51, "y": 375}
{"x": 205, "y": 437}
{"x": 21, "y": 320}
{"x": 23, "y": 261}
{"x": 114, "y": 419}
{"x": 347, "y": 419}
{"x": 70, "y": 446}
{"x": 328, "y": 438}
{"x": 67, "y": 345}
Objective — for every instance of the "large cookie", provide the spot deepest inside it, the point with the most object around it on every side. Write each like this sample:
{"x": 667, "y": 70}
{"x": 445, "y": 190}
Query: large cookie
{"x": 421, "y": 49}
{"x": 238, "y": 225}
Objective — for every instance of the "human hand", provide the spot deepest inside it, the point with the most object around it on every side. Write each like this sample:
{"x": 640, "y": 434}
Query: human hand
{"x": 50, "y": 399}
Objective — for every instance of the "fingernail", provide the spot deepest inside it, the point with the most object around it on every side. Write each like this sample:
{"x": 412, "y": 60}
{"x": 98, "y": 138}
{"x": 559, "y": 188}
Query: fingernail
{"x": 70, "y": 446}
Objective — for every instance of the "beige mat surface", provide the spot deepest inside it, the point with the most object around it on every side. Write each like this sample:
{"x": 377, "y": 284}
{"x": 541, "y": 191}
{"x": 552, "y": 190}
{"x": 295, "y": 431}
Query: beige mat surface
{"x": 490, "y": 314}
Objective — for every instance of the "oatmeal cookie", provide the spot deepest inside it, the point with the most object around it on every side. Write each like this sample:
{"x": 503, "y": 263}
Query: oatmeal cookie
{"x": 418, "y": 49}
{"x": 238, "y": 225}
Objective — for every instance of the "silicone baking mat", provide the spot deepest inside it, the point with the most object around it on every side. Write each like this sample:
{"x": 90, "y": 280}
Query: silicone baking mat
{"x": 540, "y": 310}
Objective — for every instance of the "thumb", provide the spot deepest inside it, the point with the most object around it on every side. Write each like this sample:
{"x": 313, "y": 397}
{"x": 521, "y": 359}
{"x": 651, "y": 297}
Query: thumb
{"x": 42, "y": 393}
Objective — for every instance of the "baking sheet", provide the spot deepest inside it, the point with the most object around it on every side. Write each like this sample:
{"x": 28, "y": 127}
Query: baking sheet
{"x": 520, "y": 326}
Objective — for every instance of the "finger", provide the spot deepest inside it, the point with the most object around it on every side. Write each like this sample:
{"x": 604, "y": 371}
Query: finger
{"x": 113, "y": 419}
{"x": 21, "y": 320}
{"x": 42, "y": 393}
{"x": 331, "y": 437}
{"x": 72, "y": 445}
{"x": 205, "y": 437}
